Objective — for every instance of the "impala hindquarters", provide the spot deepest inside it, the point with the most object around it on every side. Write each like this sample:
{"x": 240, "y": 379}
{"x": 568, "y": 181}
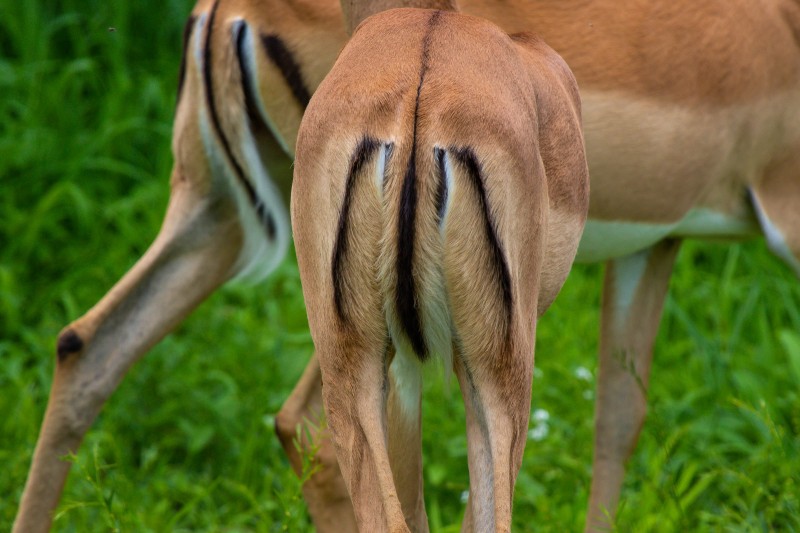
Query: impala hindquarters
{"x": 438, "y": 200}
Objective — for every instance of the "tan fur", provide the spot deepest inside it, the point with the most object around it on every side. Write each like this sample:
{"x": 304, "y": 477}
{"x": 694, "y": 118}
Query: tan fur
{"x": 630, "y": 320}
{"x": 355, "y": 11}
{"x": 686, "y": 105}
{"x": 453, "y": 82}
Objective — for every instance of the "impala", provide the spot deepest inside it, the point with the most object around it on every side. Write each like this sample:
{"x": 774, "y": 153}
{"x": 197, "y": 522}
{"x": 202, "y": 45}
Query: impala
{"x": 439, "y": 196}
{"x": 691, "y": 115}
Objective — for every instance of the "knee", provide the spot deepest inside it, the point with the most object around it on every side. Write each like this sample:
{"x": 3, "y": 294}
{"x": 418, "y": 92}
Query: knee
{"x": 69, "y": 343}
{"x": 286, "y": 428}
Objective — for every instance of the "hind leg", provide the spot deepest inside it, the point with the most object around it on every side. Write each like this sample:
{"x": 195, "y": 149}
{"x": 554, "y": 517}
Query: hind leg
{"x": 300, "y": 428}
{"x": 355, "y": 387}
{"x": 497, "y": 398}
{"x": 776, "y": 200}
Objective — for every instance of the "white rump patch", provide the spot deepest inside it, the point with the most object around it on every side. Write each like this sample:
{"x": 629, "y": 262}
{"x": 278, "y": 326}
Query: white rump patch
{"x": 437, "y": 322}
{"x": 260, "y": 255}
{"x": 433, "y": 304}
{"x": 450, "y": 186}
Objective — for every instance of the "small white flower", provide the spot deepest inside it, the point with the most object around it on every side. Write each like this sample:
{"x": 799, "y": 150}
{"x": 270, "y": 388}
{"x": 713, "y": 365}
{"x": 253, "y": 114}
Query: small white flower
{"x": 583, "y": 373}
{"x": 539, "y": 416}
{"x": 539, "y": 432}
{"x": 464, "y": 496}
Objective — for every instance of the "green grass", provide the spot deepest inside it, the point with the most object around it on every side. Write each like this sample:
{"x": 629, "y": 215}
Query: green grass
{"x": 186, "y": 443}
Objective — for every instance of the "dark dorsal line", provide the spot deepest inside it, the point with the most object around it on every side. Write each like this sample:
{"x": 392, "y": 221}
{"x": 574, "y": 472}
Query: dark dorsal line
{"x": 469, "y": 161}
{"x": 187, "y": 33}
{"x": 364, "y": 152}
{"x": 406, "y": 294}
{"x": 290, "y": 70}
{"x": 441, "y": 190}
{"x": 255, "y": 201}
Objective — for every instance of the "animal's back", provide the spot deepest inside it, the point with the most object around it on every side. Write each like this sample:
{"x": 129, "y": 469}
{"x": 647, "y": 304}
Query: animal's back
{"x": 456, "y": 180}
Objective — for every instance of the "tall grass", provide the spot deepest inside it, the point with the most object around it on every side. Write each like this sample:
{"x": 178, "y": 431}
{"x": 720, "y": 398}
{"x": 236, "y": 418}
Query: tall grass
{"x": 186, "y": 444}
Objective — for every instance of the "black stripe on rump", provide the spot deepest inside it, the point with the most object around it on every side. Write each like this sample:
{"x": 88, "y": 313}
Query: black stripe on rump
{"x": 364, "y": 152}
{"x": 290, "y": 70}
{"x": 469, "y": 161}
{"x": 247, "y": 77}
{"x": 257, "y": 203}
{"x": 187, "y": 33}
{"x": 441, "y": 190}
{"x": 406, "y": 293}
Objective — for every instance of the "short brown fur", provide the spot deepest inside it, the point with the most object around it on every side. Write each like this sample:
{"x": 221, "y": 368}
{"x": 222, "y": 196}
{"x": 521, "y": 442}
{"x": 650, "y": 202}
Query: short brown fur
{"x": 458, "y": 84}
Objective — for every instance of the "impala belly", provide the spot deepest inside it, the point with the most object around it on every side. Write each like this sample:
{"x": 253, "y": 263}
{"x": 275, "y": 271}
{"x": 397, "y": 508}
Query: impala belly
{"x": 663, "y": 170}
{"x": 603, "y": 240}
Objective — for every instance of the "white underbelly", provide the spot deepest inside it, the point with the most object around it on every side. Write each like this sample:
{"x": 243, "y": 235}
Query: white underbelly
{"x": 603, "y": 239}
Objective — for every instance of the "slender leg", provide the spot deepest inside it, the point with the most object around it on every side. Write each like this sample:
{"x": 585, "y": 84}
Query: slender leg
{"x": 497, "y": 408}
{"x": 355, "y": 397}
{"x": 633, "y": 298}
{"x": 193, "y": 254}
{"x": 325, "y": 492}
{"x": 476, "y": 445}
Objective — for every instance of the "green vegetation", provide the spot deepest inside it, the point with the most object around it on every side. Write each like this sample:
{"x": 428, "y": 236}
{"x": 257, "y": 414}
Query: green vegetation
{"x": 186, "y": 444}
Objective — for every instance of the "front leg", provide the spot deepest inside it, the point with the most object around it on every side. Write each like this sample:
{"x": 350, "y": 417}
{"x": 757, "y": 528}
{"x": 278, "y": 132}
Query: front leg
{"x": 356, "y": 400}
{"x": 633, "y": 298}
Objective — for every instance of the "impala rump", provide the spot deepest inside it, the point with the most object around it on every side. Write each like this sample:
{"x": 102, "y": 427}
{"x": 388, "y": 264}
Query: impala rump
{"x": 219, "y": 96}
{"x": 438, "y": 199}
